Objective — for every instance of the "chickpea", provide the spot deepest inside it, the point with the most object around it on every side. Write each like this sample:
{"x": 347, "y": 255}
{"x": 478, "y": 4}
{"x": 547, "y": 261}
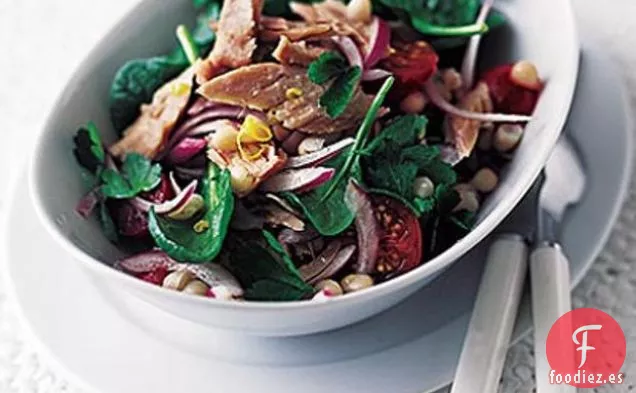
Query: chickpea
{"x": 196, "y": 287}
{"x": 507, "y": 137}
{"x": 241, "y": 179}
{"x": 359, "y": 11}
{"x": 423, "y": 187}
{"x": 178, "y": 280}
{"x": 469, "y": 198}
{"x": 330, "y": 287}
{"x": 356, "y": 282}
{"x": 452, "y": 79}
{"x": 525, "y": 74}
{"x": 224, "y": 138}
{"x": 485, "y": 180}
{"x": 414, "y": 103}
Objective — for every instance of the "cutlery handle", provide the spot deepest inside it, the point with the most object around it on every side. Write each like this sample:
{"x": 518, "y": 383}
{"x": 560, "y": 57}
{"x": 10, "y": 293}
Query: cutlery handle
{"x": 550, "y": 283}
{"x": 488, "y": 337}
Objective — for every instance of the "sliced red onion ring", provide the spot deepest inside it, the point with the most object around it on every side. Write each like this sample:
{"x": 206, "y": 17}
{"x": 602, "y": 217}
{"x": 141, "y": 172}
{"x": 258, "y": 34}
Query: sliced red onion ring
{"x": 145, "y": 262}
{"x": 87, "y": 204}
{"x": 470, "y": 58}
{"x": 436, "y": 98}
{"x": 375, "y": 74}
{"x": 379, "y": 43}
{"x": 350, "y": 50}
{"x": 320, "y": 156}
{"x": 299, "y": 180}
{"x": 173, "y": 182}
{"x": 367, "y": 227}
{"x": 449, "y": 154}
{"x": 168, "y": 206}
{"x": 185, "y": 150}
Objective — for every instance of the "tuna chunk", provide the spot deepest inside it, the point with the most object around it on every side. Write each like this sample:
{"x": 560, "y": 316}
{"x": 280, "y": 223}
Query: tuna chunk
{"x": 236, "y": 38}
{"x": 148, "y": 134}
{"x": 272, "y": 29}
{"x": 296, "y": 53}
{"x": 288, "y": 97}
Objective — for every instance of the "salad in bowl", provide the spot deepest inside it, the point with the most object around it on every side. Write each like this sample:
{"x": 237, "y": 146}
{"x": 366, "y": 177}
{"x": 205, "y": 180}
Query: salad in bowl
{"x": 290, "y": 151}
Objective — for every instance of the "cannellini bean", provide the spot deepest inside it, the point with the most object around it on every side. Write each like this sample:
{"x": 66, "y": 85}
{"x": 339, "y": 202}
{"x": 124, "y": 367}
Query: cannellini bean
{"x": 414, "y": 103}
{"x": 469, "y": 198}
{"x": 507, "y": 137}
{"x": 423, "y": 187}
{"x": 196, "y": 287}
{"x": 525, "y": 74}
{"x": 178, "y": 280}
{"x": 356, "y": 282}
{"x": 485, "y": 180}
{"x": 452, "y": 79}
{"x": 330, "y": 287}
{"x": 359, "y": 11}
{"x": 311, "y": 144}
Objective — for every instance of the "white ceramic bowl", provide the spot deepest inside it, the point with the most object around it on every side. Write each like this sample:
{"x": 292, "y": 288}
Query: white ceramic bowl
{"x": 542, "y": 31}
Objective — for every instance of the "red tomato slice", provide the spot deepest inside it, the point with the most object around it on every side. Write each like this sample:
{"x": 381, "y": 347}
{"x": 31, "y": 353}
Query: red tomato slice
{"x": 401, "y": 241}
{"x": 508, "y": 97}
{"x": 412, "y": 64}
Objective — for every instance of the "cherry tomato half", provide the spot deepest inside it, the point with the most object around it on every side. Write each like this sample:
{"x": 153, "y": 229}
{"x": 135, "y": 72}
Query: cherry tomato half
{"x": 412, "y": 64}
{"x": 506, "y": 95}
{"x": 401, "y": 240}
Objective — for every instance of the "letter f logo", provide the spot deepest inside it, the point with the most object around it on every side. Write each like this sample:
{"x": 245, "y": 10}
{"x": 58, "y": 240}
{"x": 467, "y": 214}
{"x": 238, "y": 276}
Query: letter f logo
{"x": 583, "y": 344}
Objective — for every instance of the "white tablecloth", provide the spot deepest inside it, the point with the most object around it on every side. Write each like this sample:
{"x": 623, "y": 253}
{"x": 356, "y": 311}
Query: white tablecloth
{"x": 43, "y": 41}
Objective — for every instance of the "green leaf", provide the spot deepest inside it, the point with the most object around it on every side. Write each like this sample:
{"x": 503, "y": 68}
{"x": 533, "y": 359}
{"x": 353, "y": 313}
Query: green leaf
{"x": 106, "y": 221}
{"x": 425, "y": 205}
{"x": 203, "y": 36}
{"x": 326, "y": 67}
{"x": 89, "y": 149}
{"x": 187, "y": 43}
{"x": 446, "y": 198}
{"x": 353, "y": 157}
{"x": 328, "y": 212}
{"x": 138, "y": 174}
{"x": 338, "y": 96}
{"x": 266, "y": 273}
{"x": 179, "y": 239}
{"x": 401, "y": 132}
{"x": 439, "y": 172}
{"x": 135, "y": 84}
{"x": 464, "y": 220}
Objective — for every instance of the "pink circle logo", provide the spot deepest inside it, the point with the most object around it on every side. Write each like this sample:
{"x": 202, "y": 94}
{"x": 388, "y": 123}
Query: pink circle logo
{"x": 586, "y": 348}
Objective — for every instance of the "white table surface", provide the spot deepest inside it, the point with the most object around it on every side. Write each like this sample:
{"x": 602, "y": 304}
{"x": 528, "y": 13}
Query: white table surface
{"x": 43, "y": 41}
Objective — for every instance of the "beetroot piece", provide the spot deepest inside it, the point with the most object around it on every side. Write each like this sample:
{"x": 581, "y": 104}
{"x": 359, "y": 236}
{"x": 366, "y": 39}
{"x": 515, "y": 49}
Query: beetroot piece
{"x": 130, "y": 221}
{"x": 162, "y": 193}
{"x": 156, "y": 276}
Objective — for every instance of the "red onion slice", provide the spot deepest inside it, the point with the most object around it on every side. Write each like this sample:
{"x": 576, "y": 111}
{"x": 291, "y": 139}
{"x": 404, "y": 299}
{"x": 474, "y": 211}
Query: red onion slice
{"x": 320, "y": 156}
{"x": 173, "y": 182}
{"x": 379, "y": 43}
{"x": 185, "y": 150}
{"x": 470, "y": 58}
{"x": 375, "y": 74}
{"x": 437, "y": 99}
{"x": 350, "y": 50}
{"x": 87, "y": 204}
{"x": 168, "y": 206}
{"x": 145, "y": 262}
{"x": 299, "y": 180}
{"x": 367, "y": 227}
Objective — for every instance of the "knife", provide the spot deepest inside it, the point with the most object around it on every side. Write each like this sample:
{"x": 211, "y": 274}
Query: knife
{"x": 563, "y": 185}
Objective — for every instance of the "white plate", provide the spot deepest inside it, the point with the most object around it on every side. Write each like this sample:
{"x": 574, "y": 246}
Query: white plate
{"x": 100, "y": 340}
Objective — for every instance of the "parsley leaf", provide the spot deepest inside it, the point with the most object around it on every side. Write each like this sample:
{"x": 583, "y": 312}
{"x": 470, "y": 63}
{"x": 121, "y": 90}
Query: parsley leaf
{"x": 264, "y": 269}
{"x": 332, "y": 66}
{"x": 89, "y": 149}
{"x": 138, "y": 175}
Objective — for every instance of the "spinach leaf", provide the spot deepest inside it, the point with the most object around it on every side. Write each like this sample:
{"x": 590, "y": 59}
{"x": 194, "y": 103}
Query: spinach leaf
{"x": 332, "y": 66}
{"x": 450, "y": 18}
{"x": 329, "y": 214}
{"x": 325, "y": 206}
{"x": 89, "y": 149}
{"x": 107, "y": 224}
{"x": 180, "y": 240}
{"x": 137, "y": 80}
{"x": 138, "y": 174}
{"x": 266, "y": 272}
